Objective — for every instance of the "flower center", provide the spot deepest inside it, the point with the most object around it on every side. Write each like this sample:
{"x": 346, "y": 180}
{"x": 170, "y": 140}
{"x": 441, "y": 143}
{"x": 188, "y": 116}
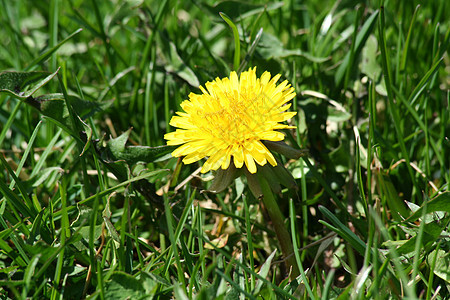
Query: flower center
{"x": 233, "y": 118}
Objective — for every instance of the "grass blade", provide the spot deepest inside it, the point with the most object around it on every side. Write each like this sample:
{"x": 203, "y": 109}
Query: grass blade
{"x": 237, "y": 42}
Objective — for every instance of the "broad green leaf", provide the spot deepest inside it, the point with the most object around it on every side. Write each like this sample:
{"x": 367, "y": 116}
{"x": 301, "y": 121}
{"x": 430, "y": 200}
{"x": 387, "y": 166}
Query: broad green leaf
{"x": 442, "y": 266}
{"x": 179, "y": 293}
{"x": 54, "y": 107}
{"x": 126, "y": 10}
{"x": 16, "y": 83}
{"x": 117, "y": 150}
{"x": 439, "y": 203}
{"x": 149, "y": 284}
{"x": 82, "y": 225}
{"x": 431, "y": 233}
{"x": 123, "y": 286}
{"x": 222, "y": 290}
{"x": 361, "y": 39}
{"x": 49, "y": 105}
{"x": 23, "y": 85}
{"x": 337, "y": 115}
{"x": 369, "y": 64}
{"x": 271, "y": 47}
{"x": 178, "y": 67}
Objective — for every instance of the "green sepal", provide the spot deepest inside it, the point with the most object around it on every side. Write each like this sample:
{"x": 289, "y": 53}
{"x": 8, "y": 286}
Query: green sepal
{"x": 285, "y": 150}
{"x": 223, "y": 179}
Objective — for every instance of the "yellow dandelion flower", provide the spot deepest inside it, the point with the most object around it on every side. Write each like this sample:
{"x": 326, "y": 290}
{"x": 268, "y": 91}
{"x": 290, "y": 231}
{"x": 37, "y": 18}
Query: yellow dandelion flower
{"x": 230, "y": 119}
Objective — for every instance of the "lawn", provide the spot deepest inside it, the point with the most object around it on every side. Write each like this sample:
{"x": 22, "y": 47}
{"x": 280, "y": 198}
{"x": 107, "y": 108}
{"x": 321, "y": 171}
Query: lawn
{"x": 98, "y": 202}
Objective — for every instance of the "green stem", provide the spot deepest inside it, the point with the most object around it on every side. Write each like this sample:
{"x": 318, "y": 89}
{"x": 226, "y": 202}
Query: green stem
{"x": 277, "y": 218}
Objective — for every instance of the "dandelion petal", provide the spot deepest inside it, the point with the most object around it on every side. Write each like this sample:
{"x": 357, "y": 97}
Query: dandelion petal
{"x": 231, "y": 117}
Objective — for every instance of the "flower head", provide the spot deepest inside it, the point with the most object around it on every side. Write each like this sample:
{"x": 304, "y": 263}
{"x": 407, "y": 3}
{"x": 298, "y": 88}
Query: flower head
{"x": 230, "y": 119}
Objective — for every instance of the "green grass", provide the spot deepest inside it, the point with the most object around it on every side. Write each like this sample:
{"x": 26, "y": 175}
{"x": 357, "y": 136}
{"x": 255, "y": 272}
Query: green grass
{"x": 89, "y": 209}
